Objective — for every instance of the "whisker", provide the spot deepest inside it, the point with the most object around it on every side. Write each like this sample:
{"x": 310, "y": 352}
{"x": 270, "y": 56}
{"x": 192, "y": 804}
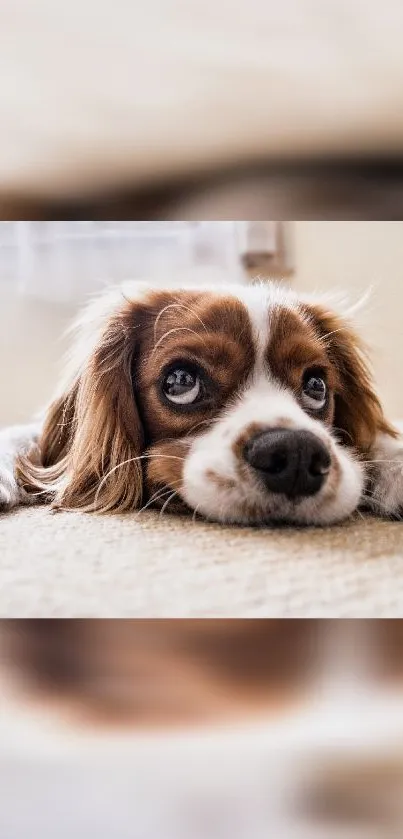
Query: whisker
{"x": 195, "y": 511}
{"x": 198, "y": 424}
{"x": 162, "y": 312}
{"x": 343, "y": 431}
{"x": 399, "y": 462}
{"x": 372, "y": 496}
{"x": 172, "y": 331}
{"x": 177, "y": 306}
{"x": 193, "y": 313}
{"x": 323, "y": 339}
{"x": 133, "y": 460}
{"x": 168, "y": 501}
{"x": 144, "y": 457}
{"x": 161, "y": 454}
{"x": 155, "y": 497}
{"x": 126, "y": 298}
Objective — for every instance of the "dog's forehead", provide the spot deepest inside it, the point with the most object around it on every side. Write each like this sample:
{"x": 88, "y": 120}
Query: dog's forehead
{"x": 200, "y": 308}
{"x": 261, "y": 312}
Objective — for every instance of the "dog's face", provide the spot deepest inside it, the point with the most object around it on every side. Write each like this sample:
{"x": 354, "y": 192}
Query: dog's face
{"x": 241, "y": 404}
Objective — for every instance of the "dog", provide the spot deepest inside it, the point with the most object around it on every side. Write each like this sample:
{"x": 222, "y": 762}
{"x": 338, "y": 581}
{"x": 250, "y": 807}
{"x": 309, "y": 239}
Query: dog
{"x": 244, "y": 404}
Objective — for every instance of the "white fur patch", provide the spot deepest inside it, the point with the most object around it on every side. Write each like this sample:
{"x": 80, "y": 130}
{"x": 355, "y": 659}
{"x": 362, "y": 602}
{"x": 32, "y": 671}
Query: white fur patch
{"x": 13, "y": 441}
{"x": 385, "y": 468}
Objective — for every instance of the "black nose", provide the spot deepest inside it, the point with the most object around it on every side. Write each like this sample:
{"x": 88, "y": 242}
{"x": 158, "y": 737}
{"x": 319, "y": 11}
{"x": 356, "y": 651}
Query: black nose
{"x": 295, "y": 463}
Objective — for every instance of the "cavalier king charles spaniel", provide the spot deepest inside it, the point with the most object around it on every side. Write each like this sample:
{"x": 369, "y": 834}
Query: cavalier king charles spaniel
{"x": 240, "y": 403}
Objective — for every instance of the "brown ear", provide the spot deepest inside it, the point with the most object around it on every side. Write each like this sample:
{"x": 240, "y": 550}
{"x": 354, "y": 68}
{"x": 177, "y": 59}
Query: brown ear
{"x": 88, "y": 455}
{"x": 358, "y": 412}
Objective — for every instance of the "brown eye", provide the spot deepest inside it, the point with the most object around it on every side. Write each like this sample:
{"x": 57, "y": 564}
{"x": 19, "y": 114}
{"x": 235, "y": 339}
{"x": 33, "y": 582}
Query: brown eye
{"x": 314, "y": 391}
{"x": 181, "y": 386}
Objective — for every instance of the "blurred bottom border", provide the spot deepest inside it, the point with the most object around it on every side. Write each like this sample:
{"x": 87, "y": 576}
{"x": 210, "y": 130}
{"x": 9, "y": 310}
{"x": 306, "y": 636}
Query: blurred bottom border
{"x": 213, "y": 728}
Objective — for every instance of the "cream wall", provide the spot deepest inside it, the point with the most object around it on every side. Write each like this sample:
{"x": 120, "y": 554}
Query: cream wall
{"x": 31, "y": 348}
{"x": 353, "y": 256}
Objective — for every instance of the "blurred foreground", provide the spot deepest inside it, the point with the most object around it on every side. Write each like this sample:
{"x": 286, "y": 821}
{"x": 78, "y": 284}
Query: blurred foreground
{"x": 328, "y": 189}
{"x": 249, "y": 729}
{"x": 164, "y": 109}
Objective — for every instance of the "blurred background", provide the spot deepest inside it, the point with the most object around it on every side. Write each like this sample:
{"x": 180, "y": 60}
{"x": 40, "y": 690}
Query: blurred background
{"x": 172, "y": 110}
{"x": 212, "y": 729}
{"x": 48, "y": 268}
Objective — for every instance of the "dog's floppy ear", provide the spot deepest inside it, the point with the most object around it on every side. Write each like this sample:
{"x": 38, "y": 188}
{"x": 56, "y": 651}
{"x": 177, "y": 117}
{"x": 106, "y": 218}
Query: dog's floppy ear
{"x": 88, "y": 454}
{"x": 358, "y": 412}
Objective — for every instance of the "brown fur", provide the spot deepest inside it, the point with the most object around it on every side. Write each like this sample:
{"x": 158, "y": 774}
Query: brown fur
{"x": 315, "y": 337}
{"x": 219, "y": 481}
{"x": 250, "y": 431}
{"x": 93, "y": 434}
{"x": 294, "y": 348}
{"x": 110, "y": 442}
{"x": 358, "y": 414}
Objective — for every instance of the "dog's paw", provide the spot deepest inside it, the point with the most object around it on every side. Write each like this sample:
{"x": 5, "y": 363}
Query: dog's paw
{"x": 386, "y": 479}
{"x": 10, "y": 492}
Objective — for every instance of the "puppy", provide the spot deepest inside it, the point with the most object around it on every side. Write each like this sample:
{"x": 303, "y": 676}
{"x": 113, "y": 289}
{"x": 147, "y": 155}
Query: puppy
{"x": 243, "y": 404}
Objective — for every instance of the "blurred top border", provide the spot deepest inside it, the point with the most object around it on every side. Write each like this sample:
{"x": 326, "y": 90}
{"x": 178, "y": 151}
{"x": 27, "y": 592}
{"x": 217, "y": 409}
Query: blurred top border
{"x": 326, "y": 189}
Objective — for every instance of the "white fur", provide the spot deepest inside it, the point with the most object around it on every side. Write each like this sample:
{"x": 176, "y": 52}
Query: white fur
{"x": 13, "y": 441}
{"x": 265, "y": 402}
{"x": 386, "y": 470}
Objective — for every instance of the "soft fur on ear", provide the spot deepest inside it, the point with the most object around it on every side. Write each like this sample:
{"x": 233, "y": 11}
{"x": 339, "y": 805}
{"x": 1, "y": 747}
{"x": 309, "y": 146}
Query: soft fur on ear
{"x": 358, "y": 411}
{"x": 88, "y": 454}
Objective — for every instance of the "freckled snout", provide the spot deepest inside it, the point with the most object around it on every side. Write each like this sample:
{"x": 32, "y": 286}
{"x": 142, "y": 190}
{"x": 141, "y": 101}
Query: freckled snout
{"x": 292, "y": 462}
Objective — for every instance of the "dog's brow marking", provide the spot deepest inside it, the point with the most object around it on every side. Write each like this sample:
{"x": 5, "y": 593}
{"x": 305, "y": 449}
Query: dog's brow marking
{"x": 172, "y": 331}
{"x": 177, "y": 305}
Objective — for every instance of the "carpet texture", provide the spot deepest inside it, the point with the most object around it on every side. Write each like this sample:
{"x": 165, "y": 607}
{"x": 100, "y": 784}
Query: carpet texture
{"x": 76, "y": 565}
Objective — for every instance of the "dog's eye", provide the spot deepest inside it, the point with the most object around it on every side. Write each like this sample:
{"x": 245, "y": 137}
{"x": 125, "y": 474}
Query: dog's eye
{"x": 181, "y": 386}
{"x": 314, "y": 391}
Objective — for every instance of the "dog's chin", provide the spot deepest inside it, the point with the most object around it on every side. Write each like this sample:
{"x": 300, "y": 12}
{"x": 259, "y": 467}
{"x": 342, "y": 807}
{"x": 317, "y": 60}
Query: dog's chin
{"x": 297, "y": 514}
{"x": 251, "y": 506}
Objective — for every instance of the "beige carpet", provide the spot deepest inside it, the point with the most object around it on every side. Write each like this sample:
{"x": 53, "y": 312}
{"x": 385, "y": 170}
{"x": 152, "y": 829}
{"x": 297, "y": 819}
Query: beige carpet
{"x": 72, "y": 564}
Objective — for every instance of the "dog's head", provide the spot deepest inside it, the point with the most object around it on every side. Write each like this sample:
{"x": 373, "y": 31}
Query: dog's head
{"x": 241, "y": 403}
